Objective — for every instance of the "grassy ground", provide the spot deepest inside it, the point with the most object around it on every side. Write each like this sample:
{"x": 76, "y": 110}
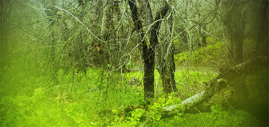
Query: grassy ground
{"x": 99, "y": 99}
{"x": 33, "y": 94}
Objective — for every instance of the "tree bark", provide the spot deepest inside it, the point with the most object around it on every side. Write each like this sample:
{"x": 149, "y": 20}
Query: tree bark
{"x": 237, "y": 45}
{"x": 236, "y": 25}
{"x": 203, "y": 34}
{"x": 263, "y": 34}
{"x": 148, "y": 51}
{"x": 166, "y": 68}
{"x": 148, "y": 63}
{"x": 154, "y": 41}
{"x": 4, "y": 5}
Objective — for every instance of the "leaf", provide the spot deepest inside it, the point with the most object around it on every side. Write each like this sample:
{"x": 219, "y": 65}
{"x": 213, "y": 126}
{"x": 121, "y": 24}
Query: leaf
{"x": 115, "y": 111}
{"x": 59, "y": 13}
{"x": 97, "y": 47}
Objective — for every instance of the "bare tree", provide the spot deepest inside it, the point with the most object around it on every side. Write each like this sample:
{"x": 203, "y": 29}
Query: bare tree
{"x": 148, "y": 51}
{"x": 165, "y": 56}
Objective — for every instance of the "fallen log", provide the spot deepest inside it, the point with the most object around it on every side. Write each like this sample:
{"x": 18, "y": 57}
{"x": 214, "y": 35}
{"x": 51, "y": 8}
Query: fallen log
{"x": 232, "y": 75}
{"x": 212, "y": 87}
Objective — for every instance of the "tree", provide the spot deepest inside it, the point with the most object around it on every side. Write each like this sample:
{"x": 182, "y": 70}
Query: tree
{"x": 241, "y": 97}
{"x": 165, "y": 56}
{"x": 263, "y": 19}
{"x": 148, "y": 51}
{"x": 235, "y": 22}
{"x": 5, "y": 10}
{"x": 236, "y": 15}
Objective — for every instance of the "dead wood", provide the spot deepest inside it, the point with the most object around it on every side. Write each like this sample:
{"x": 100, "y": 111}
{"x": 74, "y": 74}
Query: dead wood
{"x": 232, "y": 76}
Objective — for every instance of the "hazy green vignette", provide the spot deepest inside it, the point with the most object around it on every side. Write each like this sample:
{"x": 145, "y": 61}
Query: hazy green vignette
{"x": 34, "y": 91}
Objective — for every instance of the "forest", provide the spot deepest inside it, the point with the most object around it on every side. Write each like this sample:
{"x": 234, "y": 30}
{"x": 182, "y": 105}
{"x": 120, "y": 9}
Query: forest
{"x": 134, "y": 63}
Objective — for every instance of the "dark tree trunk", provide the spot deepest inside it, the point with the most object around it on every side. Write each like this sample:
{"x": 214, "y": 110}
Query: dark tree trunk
{"x": 204, "y": 37}
{"x": 3, "y": 35}
{"x": 148, "y": 63}
{"x": 148, "y": 52}
{"x": 153, "y": 43}
{"x": 167, "y": 67}
{"x": 236, "y": 24}
{"x": 237, "y": 45}
{"x": 167, "y": 73}
{"x": 202, "y": 33}
{"x": 263, "y": 37}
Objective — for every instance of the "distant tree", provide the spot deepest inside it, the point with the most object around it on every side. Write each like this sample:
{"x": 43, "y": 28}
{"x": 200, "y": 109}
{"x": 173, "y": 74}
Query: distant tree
{"x": 235, "y": 21}
{"x": 5, "y": 11}
{"x": 263, "y": 26}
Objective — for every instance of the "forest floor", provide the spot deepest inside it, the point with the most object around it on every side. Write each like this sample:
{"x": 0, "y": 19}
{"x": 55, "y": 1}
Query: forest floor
{"x": 87, "y": 100}
{"x": 39, "y": 97}
{"x": 204, "y": 69}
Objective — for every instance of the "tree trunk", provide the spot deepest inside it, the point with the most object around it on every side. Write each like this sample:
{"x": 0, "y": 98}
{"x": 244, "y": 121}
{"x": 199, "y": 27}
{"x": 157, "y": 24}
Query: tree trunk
{"x": 204, "y": 37}
{"x": 154, "y": 41}
{"x": 4, "y": 4}
{"x": 237, "y": 45}
{"x": 236, "y": 25}
{"x": 148, "y": 63}
{"x": 148, "y": 52}
{"x": 166, "y": 67}
{"x": 263, "y": 34}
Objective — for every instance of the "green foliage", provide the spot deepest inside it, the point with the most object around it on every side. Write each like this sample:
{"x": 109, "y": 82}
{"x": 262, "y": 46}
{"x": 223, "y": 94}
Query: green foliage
{"x": 176, "y": 42}
{"x": 155, "y": 108}
{"x": 153, "y": 113}
{"x": 71, "y": 98}
{"x": 133, "y": 120}
{"x": 217, "y": 117}
{"x": 35, "y": 92}
{"x": 76, "y": 111}
{"x": 30, "y": 111}
{"x": 258, "y": 92}
{"x": 191, "y": 79}
{"x": 202, "y": 56}
{"x": 217, "y": 114}
{"x": 77, "y": 101}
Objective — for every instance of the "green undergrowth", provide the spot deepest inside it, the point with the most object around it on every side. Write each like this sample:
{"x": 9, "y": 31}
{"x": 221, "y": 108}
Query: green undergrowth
{"x": 210, "y": 54}
{"x": 217, "y": 117}
{"x": 100, "y": 98}
{"x": 191, "y": 82}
